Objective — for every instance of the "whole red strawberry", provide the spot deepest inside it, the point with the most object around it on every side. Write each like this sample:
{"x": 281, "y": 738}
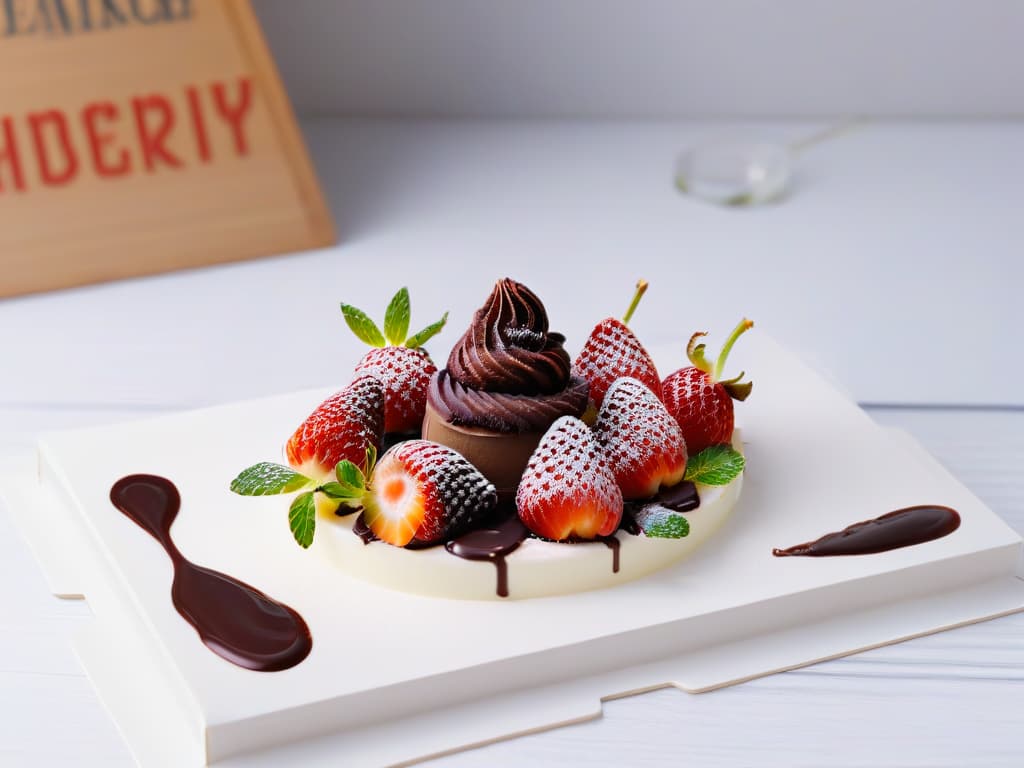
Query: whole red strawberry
{"x": 699, "y": 401}
{"x": 424, "y": 493}
{"x": 613, "y": 351}
{"x": 402, "y": 366}
{"x": 643, "y": 443}
{"x": 342, "y": 427}
{"x": 568, "y": 490}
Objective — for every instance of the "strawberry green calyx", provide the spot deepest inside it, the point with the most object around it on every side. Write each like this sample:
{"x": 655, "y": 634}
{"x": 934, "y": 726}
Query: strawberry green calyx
{"x": 737, "y": 389}
{"x": 396, "y": 324}
{"x": 641, "y": 289}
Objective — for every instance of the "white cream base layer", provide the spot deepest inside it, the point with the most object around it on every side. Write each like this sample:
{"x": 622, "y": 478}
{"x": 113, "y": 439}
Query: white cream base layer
{"x": 535, "y": 569}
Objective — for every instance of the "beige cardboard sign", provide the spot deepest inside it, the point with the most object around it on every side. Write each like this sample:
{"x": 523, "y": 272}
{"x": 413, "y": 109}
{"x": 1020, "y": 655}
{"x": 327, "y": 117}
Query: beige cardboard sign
{"x": 140, "y": 136}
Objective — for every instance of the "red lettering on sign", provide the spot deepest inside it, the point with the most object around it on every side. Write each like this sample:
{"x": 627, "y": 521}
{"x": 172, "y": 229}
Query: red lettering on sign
{"x": 99, "y": 140}
{"x": 153, "y": 135}
{"x": 198, "y": 123}
{"x": 9, "y": 155}
{"x": 234, "y": 115}
{"x": 37, "y": 122}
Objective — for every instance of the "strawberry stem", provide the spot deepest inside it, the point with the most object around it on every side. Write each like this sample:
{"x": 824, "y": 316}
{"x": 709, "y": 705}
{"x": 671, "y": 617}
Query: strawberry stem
{"x": 641, "y": 289}
{"x": 738, "y": 331}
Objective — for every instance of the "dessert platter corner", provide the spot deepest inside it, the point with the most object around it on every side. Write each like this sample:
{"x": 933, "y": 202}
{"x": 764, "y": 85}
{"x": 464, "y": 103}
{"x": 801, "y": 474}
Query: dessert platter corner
{"x": 449, "y": 554}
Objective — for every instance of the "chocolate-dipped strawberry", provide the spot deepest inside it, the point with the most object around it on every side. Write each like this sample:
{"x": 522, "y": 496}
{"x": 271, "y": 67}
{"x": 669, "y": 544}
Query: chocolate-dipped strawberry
{"x": 507, "y": 380}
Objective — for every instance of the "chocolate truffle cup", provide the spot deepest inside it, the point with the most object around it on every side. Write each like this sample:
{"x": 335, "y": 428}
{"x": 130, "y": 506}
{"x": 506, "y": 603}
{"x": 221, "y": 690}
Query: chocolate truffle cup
{"x": 500, "y": 456}
{"x": 507, "y": 380}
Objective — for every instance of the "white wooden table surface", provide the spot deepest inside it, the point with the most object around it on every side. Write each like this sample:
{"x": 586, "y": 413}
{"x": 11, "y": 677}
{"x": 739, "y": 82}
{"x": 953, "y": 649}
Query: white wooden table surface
{"x": 894, "y": 267}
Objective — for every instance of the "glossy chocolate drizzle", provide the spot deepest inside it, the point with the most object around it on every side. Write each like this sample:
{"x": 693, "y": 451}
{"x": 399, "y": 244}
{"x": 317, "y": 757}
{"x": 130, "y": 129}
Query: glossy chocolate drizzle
{"x": 234, "y": 620}
{"x": 902, "y": 528}
{"x": 679, "y": 498}
{"x": 507, "y": 347}
{"x": 492, "y": 544}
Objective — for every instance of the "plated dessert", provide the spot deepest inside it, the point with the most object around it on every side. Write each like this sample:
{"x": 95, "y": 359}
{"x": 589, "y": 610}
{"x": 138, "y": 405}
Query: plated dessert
{"x": 513, "y": 470}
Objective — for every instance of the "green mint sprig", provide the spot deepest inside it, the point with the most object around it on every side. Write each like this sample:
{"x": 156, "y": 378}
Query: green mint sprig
{"x": 269, "y": 479}
{"x": 660, "y": 523}
{"x": 715, "y": 465}
{"x": 396, "y": 324}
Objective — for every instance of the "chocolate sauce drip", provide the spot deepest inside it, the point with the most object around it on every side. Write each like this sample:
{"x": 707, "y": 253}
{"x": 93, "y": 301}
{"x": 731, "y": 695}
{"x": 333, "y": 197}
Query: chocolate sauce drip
{"x": 234, "y": 620}
{"x": 902, "y": 528}
{"x": 492, "y": 544}
{"x": 362, "y": 530}
{"x": 679, "y": 498}
{"x": 613, "y": 544}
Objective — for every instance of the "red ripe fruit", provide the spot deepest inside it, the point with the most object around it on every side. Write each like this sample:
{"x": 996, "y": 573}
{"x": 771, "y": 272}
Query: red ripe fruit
{"x": 398, "y": 360}
{"x": 613, "y": 351}
{"x": 342, "y": 427}
{"x": 643, "y": 443}
{"x": 405, "y": 374}
{"x": 568, "y": 490}
{"x": 425, "y": 493}
{"x": 700, "y": 403}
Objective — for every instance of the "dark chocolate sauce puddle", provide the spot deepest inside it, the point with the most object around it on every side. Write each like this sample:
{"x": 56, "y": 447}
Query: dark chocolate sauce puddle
{"x": 902, "y": 528}
{"x": 492, "y": 544}
{"x": 682, "y": 497}
{"x": 234, "y": 620}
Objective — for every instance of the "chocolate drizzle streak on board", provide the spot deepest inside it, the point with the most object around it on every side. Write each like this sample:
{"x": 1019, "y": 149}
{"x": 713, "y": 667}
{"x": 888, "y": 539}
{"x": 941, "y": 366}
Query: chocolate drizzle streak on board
{"x": 902, "y": 528}
{"x": 234, "y": 620}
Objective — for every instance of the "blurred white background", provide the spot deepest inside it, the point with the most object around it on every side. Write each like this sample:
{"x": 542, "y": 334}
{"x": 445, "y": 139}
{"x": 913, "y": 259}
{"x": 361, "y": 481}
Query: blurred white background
{"x": 649, "y": 58}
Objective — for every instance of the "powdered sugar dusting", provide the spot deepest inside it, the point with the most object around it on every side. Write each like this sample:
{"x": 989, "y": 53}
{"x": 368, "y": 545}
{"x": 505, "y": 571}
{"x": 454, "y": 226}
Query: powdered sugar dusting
{"x": 457, "y": 494}
{"x": 341, "y": 427}
{"x": 405, "y": 374}
{"x": 568, "y": 487}
{"x": 644, "y": 444}
{"x": 703, "y": 410}
{"x": 611, "y": 352}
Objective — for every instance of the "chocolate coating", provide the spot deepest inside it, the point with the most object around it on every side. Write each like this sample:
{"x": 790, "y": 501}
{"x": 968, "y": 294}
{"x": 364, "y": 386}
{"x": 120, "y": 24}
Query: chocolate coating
{"x": 507, "y": 347}
{"x": 501, "y": 412}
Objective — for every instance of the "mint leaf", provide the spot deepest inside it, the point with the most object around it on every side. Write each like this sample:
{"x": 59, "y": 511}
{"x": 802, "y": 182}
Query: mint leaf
{"x": 421, "y": 338}
{"x": 341, "y": 491}
{"x": 362, "y": 326}
{"x": 660, "y": 523}
{"x": 396, "y": 318}
{"x": 349, "y": 474}
{"x": 371, "y": 460}
{"x": 715, "y": 465}
{"x": 267, "y": 479}
{"x": 302, "y": 518}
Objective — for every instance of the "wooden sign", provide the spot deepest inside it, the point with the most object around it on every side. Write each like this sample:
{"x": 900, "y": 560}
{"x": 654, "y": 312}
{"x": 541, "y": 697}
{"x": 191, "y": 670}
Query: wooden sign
{"x": 139, "y": 136}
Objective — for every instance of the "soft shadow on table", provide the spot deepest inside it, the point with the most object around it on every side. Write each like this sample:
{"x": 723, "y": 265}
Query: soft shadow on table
{"x": 366, "y": 180}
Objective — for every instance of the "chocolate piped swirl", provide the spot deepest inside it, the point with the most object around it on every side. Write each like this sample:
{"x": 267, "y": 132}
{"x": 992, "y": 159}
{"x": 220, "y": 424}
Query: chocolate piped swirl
{"x": 507, "y": 347}
{"x": 501, "y": 412}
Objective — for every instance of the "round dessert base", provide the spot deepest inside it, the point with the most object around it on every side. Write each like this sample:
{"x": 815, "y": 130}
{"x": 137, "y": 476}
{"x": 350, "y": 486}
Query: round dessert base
{"x": 536, "y": 569}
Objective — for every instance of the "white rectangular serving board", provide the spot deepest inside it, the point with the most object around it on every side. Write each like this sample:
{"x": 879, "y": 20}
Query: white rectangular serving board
{"x": 394, "y": 678}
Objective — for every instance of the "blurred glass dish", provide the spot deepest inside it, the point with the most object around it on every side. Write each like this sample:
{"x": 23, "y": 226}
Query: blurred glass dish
{"x": 739, "y": 173}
